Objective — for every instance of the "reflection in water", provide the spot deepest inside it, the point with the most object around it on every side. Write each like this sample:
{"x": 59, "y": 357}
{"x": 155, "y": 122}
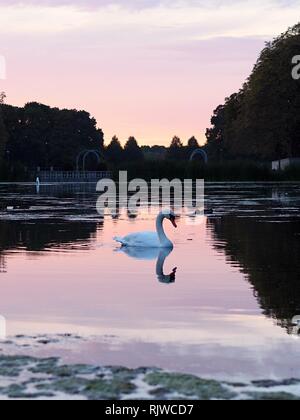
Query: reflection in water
{"x": 159, "y": 254}
{"x": 268, "y": 254}
{"x": 2, "y": 264}
{"x": 40, "y": 235}
{"x": 207, "y": 323}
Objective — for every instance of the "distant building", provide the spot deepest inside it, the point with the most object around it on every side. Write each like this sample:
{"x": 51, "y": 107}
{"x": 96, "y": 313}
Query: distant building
{"x": 281, "y": 165}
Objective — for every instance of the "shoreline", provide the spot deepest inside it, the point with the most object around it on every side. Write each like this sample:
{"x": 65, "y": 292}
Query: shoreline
{"x": 28, "y": 377}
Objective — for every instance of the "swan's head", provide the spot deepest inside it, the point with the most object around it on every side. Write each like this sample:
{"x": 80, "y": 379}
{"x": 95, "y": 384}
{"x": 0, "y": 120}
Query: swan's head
{"x": 170, "y": 216}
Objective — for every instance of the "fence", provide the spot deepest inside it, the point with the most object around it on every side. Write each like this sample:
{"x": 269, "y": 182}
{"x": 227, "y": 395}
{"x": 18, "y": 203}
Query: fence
{"x": 71, "y": 176}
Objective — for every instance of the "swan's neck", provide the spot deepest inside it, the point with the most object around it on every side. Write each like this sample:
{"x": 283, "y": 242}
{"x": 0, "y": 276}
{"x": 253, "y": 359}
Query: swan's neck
{"x": 164, "y": 240}
{"x": 163, "y": 254}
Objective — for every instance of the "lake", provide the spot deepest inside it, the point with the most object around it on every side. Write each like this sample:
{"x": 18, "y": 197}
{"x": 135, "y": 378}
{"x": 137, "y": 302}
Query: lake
{"x": 230, "y": 310}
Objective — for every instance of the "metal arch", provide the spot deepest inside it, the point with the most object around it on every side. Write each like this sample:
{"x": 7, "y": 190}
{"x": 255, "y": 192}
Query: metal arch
{"x": 90, "y": 152}
{"x": 79, "y": 156}
{"x": 200, "y": 152}
{"x": 84, "y": 154}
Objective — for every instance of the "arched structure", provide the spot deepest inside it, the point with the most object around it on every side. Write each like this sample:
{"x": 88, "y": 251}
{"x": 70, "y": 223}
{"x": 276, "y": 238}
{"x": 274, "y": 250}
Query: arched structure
{"x": 199, "y": 152}
{"x": 82, "y": 156}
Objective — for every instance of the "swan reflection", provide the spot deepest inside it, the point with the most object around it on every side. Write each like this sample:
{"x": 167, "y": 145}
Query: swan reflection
{"x": 149, "y": 254}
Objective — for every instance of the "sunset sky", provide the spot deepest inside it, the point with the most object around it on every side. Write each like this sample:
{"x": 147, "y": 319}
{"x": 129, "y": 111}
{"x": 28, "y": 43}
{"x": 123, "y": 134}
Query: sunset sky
{"x": 148, "y": 68}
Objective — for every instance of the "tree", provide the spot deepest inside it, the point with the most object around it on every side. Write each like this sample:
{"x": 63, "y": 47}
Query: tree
{"x": 132, "y": 151}
{"x": 114, "y": 151}
{"x": 176, "y": 149}
{"x": 3, "y": 131}
{"x": 45, "y": 137}
{"x": 154, "y": 153}
{"x": 262, "y": 120}
{"x": 193, "y": 143}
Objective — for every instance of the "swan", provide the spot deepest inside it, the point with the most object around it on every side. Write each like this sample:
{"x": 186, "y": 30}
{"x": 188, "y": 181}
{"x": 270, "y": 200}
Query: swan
{"x": 156, "y": 239}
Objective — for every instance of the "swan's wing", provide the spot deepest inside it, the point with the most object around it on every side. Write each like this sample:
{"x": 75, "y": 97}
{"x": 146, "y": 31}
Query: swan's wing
{"x": 141, "y": 239}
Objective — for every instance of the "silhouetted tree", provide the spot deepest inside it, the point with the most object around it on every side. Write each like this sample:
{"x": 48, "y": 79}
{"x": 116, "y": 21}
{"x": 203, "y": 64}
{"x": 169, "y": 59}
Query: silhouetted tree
{"x": 191, "y": 146}
{"x": 115, "y": 151}
{"x": 176, "y": 149}
{"x": 154, "y": 152}
{"x": 132, "y": 151}
{"x": 3, "y": 131}
{"x": 262, "y": 120}
{"x": 44, "y": 136}
{"x": 193, "y": 143}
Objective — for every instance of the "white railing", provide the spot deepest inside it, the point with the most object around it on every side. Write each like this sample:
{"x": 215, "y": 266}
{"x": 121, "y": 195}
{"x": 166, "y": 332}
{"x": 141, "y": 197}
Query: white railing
{"x": 72, "y": 176}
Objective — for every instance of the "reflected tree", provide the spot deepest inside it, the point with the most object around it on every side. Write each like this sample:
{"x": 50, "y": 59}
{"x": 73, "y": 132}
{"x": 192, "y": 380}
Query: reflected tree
{"x": 43, "y": 234}
{"x": 268, "y": 254}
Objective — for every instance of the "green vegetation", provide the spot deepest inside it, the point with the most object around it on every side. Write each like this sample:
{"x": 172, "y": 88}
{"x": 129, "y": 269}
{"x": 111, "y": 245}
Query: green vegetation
{"x": 188, "y": 386}
{"x": 32, "y": 378}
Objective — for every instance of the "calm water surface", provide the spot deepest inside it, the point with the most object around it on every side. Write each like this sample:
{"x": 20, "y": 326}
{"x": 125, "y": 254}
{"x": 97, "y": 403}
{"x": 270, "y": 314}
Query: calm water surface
{"x": 230, "y": 310}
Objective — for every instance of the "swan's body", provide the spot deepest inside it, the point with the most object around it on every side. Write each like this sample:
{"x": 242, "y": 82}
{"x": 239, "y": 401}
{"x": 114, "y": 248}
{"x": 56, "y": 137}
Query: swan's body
{"x": 156, "y": 239}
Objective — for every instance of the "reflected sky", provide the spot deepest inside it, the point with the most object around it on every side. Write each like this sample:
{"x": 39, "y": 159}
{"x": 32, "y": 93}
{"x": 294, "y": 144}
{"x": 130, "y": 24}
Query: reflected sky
{"x": 227, "y": 310}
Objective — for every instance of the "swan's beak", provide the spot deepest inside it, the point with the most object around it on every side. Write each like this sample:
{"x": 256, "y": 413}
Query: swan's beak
{"x": 173, "y": 221}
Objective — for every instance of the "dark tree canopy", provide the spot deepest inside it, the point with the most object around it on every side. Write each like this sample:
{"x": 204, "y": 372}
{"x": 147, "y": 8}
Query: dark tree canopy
{"x": 132, "y": 151}
{"x": 154, "y": 153}
{"x": 115, "y": 151}
{"x": 193, "y": 143}
{"x": 262, "y": 120}
{"x": 49, "y": 137}
{"x": 176, "y": 149}
{"x": 3, "y": 132}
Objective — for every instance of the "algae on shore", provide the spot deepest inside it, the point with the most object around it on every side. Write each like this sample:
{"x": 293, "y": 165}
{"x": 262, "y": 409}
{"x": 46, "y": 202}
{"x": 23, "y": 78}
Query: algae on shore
{"x": 23, "y": 377}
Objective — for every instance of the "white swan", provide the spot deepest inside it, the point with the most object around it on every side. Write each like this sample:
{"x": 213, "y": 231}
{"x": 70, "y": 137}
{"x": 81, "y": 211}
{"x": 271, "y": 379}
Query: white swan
{"x": 156, "y": 239}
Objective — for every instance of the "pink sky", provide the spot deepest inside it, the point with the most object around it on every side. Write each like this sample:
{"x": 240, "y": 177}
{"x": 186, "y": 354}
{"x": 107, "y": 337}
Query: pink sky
{"x": 152, "y": 69}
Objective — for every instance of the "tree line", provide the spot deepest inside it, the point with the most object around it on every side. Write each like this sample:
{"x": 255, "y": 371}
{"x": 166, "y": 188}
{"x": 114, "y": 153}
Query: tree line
{"x": 132, "y": 152}
{"x": 262, "y": 120}
{"x": 37, "y": 135}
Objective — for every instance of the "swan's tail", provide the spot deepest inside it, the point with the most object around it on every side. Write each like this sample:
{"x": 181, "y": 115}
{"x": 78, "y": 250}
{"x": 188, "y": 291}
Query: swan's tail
{"x": 120, "y": 240}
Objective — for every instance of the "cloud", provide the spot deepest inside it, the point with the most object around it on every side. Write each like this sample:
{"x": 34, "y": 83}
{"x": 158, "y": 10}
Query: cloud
{"x": 190, "y": 19}
{"x": 154, "y": 68}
